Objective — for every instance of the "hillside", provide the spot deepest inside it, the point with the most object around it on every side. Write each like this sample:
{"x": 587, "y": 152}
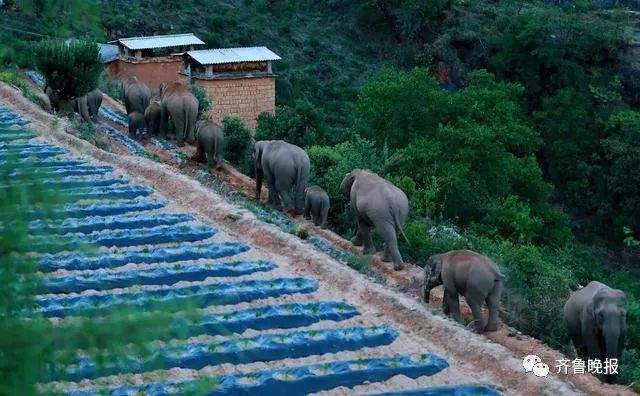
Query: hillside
{"x": 516, "y": 135}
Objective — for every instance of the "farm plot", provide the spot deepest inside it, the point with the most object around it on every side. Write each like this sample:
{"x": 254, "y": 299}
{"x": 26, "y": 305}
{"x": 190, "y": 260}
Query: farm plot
{"x": 263, "y": 329}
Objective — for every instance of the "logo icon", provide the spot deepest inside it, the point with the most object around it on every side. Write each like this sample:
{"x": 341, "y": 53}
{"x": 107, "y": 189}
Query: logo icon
{"x": 540, "y": 369}
{"x": 529, "y": 361}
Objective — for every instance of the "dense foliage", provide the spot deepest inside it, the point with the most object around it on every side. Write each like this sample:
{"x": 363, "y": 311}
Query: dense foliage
{"x": 519, "y": 126}
{"x": 70, "y": 69}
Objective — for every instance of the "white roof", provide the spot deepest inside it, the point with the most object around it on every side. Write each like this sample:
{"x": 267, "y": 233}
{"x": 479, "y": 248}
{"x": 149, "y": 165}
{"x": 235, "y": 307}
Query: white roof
{"x": 171, "y": 40}
{"x": 233, "y": 55}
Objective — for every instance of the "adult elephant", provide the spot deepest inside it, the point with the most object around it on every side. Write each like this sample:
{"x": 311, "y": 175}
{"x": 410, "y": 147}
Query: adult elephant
{"x": 94, "y": 101}
{"x": 177, "y": 102}
{"x": 596, "y": 318}
{"x": 377, "y": 203}
{"x": 152, "y": 117}
{"x": 54, "y": 98}
{"x": 136, "y": 95}
{"x": 282, "y": 165}
{"x": 81, "y": 106}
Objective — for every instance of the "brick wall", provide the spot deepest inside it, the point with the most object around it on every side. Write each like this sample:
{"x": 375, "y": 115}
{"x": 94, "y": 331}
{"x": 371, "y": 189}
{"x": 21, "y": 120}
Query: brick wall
{"x": 152, "y": 72}
{"x": 244, "y": 97}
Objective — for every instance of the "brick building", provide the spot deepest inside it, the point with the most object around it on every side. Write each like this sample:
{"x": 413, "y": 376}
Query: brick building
{"x": 238, "y": 81}
{"x": 152, "y": 59}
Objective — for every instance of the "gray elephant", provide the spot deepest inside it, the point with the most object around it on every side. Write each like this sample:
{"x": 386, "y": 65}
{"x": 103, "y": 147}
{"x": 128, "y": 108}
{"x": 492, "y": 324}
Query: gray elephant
{"x": 152, "y": 116}
{"x": 282, "y": 165}
{"x": 596, "y": 317}
{"x": 377, "y": 203}
{"x": 177, "y": 102}
{"x": 81, "y": 106}
{"x": 94, "y": 101}
{"x": 136, "y": 94}
{"x": 137, "y": 125}
{"x": 209, "y": 143}
{"x": 316, "y": 204}
{"x": 467, "y": 273}
{"x": 88, "y": 106}
{"x": 54, "y": 98}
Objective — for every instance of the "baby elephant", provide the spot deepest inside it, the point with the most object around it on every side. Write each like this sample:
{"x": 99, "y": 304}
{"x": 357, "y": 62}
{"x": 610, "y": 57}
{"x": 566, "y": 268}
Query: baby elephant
{"x": 476, "y": 277}
{"x": 137, "y": 125}
{"x": 316, "y": 204}
{"x": 210, "y": 142}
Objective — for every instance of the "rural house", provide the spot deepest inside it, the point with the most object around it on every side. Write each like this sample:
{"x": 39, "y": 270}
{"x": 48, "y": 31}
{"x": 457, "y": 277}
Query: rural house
{"x": 238, "y": 81}
{"x": 152, "y": 59}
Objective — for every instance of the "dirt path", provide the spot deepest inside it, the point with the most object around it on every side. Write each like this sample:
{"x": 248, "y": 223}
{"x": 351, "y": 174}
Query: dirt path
{"x": 495, "y": 358}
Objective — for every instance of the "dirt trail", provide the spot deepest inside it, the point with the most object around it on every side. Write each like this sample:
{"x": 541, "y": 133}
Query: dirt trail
{"x": 496, "y": 357}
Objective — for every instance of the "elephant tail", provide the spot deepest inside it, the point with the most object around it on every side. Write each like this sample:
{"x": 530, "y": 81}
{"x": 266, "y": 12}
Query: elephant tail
{"x": 399, "y": 228}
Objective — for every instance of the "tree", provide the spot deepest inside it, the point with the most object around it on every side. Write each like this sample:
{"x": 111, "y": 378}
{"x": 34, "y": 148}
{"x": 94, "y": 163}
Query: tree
{"x": 475, "y": 143}
{"x": 71, "y": 69}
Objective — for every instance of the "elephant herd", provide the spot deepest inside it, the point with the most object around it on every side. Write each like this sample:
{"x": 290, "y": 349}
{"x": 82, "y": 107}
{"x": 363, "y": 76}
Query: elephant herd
{"x": 595, "y": 315}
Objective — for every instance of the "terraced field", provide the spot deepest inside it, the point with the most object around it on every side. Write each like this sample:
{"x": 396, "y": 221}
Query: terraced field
{"x": 263, "y": 329}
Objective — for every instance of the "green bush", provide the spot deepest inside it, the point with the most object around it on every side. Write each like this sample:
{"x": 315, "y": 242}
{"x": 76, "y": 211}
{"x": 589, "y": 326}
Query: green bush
{"x": 329, "y": 165}
{"x": 110, "y": 86}
{"x": 204, "y": 105}
{"x": 70, "y": 69}
{"x": 237, "y": 143}
{"x": 302, "y": 125}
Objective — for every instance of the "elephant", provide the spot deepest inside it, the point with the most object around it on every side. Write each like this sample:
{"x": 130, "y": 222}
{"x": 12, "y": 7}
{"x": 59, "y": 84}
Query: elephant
{"x": 596, "y": 317}
{"x": 316, "y": 203}
{"x": 152, "y": 117}
{"x": 467, "y": 273}
{"x": 88, "y": 106}
{"x": 136, "y": 94}
{"x": 54, "y": 98}
{"x": 94, "y": 101}
{"x": 81, "y": 106}
{"x": 137, "y": 125}
{"x": 377, "y": 203}
{"x": 209, "y": 142}
{"x": 181, "y": 105}
{"x": 282, "y": 165}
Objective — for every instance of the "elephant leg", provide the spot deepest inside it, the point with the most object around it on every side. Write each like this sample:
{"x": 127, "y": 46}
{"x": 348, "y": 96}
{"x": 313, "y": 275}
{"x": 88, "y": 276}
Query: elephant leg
{"x": 357, "y": 239}
{"x": 200, "y": 153}
{"x": 209, "y": 151}
{"x": 283, "y": 192}
{"x": 454, "y": 305}
{"x": 387, "y": 232}
{"x": 445, "y": 302}
{"x": 324, "y": 216}
{"x": 367, "y": 241}
{"x": 273, "y": 200}
{"x": 475, "y": 303}
{"x": 493, "y": 303}
{"x": 386, "y": 257}
{"x": 317, "y": 216}
{"x": 307, "y": 208}
{"x": 180, "y": 133}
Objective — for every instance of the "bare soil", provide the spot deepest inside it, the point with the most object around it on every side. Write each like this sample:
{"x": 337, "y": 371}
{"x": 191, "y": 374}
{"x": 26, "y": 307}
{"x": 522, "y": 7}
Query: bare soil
{"x": 493, "y": 358}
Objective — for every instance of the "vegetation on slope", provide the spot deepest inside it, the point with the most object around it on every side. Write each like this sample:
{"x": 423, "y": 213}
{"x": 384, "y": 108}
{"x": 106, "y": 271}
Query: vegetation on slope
{"x": 528, "y": 160}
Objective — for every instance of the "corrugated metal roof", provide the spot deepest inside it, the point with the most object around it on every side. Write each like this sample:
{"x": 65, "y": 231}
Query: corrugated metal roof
{"x": 149, "y": 42}
{"x": 233, "y": 55}
{"x": 108, "y": 52}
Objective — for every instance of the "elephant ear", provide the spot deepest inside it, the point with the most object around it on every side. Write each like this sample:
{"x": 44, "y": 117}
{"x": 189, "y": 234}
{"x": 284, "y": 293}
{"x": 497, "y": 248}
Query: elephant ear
{"x": 347, "y": 183}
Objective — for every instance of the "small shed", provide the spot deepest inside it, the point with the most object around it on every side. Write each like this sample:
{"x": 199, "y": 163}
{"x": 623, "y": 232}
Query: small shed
{"x": 152, "y": 59}
{"x": 238, "y": 81}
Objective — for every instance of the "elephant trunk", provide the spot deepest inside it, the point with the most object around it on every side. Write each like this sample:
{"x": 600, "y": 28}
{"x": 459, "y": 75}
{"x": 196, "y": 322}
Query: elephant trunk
{"x": 611, "y": 333}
